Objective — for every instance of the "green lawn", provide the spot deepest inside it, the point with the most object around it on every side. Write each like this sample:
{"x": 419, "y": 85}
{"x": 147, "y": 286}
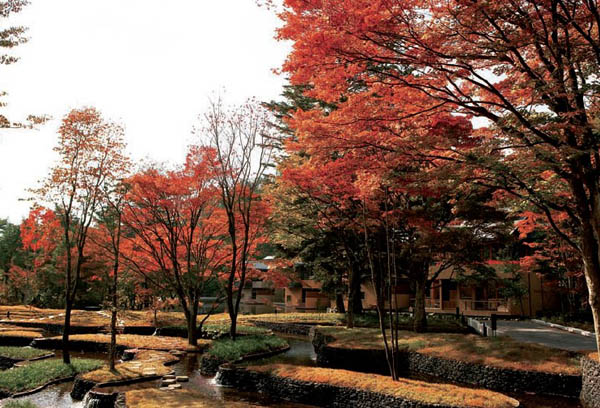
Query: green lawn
{"x": 38, "y": 373}
{"x": 229, "y": 350}
{"x": 21, "y": 353}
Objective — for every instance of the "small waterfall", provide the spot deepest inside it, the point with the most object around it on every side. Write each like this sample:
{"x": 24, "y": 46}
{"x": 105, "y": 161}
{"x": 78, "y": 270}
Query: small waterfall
{"x": 90, "y": 402}
{"x": 216, "y": 380}
{"x": 95, "y": 399}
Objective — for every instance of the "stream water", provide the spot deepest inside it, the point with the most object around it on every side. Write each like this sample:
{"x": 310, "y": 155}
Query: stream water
{"x": 301, "y": 353}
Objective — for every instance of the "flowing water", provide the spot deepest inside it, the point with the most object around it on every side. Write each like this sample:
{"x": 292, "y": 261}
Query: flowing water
{"x": 301, "y": 353}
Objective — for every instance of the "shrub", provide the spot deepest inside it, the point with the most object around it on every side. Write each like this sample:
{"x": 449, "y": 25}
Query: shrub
{"x": 229, "y": 350}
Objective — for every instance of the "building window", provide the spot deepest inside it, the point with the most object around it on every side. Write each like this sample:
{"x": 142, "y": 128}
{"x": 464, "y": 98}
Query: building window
{"x": 362, "y": 295}
{"x": 253, "y": 294}
{"x": 288, "y": 298}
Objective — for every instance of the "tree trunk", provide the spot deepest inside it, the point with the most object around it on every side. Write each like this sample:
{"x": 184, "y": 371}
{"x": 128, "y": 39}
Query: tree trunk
{"x": 591, "y": 268}
{"x": 233, "y": 326}
{"x": 339, "y": 303}
{"x": 420, "y": 317}
{"x": 112, "y": 354}
{"x": 354, "y": 300}
{"x": 192, "y": 330}
{"x": 67, "y": 331}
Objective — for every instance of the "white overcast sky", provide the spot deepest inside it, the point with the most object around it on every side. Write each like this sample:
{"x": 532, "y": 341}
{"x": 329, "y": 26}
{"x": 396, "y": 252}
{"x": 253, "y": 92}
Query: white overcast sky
{"x": 151, "y": 64}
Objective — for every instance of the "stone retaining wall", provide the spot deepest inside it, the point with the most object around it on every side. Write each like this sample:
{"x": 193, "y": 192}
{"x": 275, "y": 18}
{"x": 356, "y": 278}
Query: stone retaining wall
{"x": 411, "y": 363}
{"x": 316, "y": 394}
{"x": 50, "y": 343}
{"x": 16, "y": 341}
{"x": 287, "y": 328}
{"x": 57, "y": 328}
{"x": 590, "y": 390}
{"x": 141, "y": 330}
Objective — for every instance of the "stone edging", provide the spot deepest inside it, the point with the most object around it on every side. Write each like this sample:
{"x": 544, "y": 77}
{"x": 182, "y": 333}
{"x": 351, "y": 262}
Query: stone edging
{"x": 590, "y": 390}
{"x": 211, "y": 365}
{"x": 319, "y": 394}
{"x": 565, "y": 328}
{"x": 411, "y": 362}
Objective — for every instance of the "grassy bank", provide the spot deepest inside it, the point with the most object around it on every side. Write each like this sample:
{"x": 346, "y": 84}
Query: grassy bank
{"x": 229, "y": 350}
{"x": 413, "y": 390}
{"x": 38, "y": 373}
{"x": 501, "y": 352}
{"x": 21, "y": 353}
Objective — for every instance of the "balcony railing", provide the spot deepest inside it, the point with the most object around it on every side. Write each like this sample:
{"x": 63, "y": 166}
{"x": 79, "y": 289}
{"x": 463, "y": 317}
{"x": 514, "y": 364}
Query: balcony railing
{"x": 493, "y": 305}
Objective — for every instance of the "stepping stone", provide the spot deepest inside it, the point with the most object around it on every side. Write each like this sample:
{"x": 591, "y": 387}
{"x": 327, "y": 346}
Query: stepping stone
{"x": 174, "y": 386}
{"x": 169, "y": 377}
{"x": 182, "y": 378}
{"x": 169, "y": 382}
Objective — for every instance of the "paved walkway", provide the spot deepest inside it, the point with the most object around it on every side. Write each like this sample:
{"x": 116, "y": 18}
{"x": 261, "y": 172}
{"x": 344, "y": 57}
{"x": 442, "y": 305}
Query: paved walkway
{"x": 536, "y": 333}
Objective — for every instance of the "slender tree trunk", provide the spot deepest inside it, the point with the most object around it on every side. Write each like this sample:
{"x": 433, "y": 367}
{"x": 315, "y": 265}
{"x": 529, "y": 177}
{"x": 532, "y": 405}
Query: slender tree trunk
{"x": 192, "y": 329}
{"x": 420, "y": 317}
{"x": 354, "y": 300}
{"x": 339, "y": 303}
{"x": 339, "y": 295}
{"x": 233, "y": 326}
{"x": 113, "y": 337}
{"x": 67, "y": 330}
{"x": 113, "y": 322}
{"x": 231, "y": 310}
